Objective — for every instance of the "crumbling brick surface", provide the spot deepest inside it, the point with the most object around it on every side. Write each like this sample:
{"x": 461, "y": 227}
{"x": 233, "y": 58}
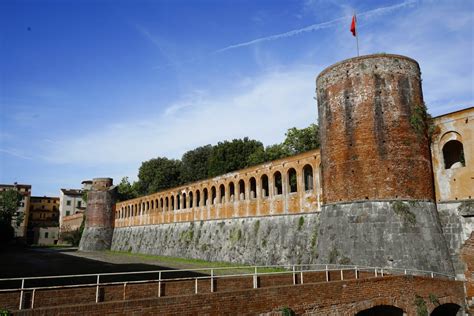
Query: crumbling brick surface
{"x": 369, "y": 147}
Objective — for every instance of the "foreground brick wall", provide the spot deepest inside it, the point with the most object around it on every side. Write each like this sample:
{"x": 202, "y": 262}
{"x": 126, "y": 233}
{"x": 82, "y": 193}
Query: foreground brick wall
{"x": 342, "y": 297}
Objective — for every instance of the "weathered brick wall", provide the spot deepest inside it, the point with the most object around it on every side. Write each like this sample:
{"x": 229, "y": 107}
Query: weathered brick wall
{"x": 369, "y": 149}
{"x": 343, "y": 297}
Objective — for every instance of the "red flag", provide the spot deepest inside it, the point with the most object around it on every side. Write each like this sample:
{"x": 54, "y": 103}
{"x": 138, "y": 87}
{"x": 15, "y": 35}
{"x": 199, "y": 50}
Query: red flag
{"x": 353, "y": 25}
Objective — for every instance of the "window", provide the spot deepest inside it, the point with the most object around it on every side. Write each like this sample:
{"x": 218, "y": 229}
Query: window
{"x": 46, "y": 235}
{"x": 184, "y": 200}
{"x": 68, "y": 202}
{"x": 253, "y": 188}
{"x": 264, "y": 180}
{"x": 278, "y": 184}
{"x": 308, "y": 177}
{"x": 453, "y": 154}
{"x": 213, "y": 195}
{"x": 241, "y": 190}
{"x": 231, "y": 191}
{"x": 292, "y": 183}
{"x": 67, "y": 213}
{"x": 79, "y": 203}
{"x": 198, "y": 198}
{"x": 222, "y": 193}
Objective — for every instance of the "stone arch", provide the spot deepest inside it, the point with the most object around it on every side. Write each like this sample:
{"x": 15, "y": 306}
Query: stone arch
{"x": 184, "y": 201}
{"x": 178, "y": 201}
{"x": 292, "y": 180}
{"x": 198, "y": 198}
{"x": 231, "y": 191}
{"x": 161, "y": 205}
{"x": 172, "y": 202}
{"x": 453, "y": 154}
{"x": 241, "y": 189}
{"x": 213, "y": 195}
{"x": 205, "y": 196}
{"x": 367, "y": 305}
{"x": 308, "y": 177}
{"x": 167, "y": 204}
{"x": 253, "y": 188}
{"x": 191, "y": 199}
{"x": 382, "y": 310}
{"x": 277, "y": 181}
{"x": 221, "y": 194}
{"x": 448, "y": 309}
{"x": 264, "y": 185}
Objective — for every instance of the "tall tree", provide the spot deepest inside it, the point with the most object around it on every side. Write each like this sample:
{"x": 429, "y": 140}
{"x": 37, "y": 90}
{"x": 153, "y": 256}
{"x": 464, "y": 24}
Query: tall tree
{"x": 9, "y": 204}
{"x": 301, "y": 140}
{"x": 158, "y": 174}
{"x": 230, "y": 156}
{"x": 126, "y": 191}
{"x": 195, "y": 164}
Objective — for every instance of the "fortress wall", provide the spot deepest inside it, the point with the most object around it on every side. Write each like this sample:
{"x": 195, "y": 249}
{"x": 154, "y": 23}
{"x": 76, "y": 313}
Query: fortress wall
{"x": 379, "y": 207}
{"x": 256, "y": 191}
{"x": 278, "y": 239}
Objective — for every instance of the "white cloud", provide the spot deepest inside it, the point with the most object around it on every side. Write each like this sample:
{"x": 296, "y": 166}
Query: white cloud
{"x": 263, "y": 110}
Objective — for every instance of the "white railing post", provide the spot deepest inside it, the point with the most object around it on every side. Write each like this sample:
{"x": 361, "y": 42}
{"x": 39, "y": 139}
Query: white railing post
{"x": 294, "y": 275}
{"x": 33, "y": 299}
{"x": 301, "y": 275}
{"x": 356, "y": 273}
{"x": 97, "y": 289}
{"x": 342, "y": 274}
{"x": 327, "y": 274}
{"x": 196, "y": 286}
{"x": 432, "y": 275}
{"x": 159, "y": 284}
{"x": 21, "y": 292}
{"x": 405, "y": 271}
{"x": 124, "y": 290}
{"x": 255, "y": 279}
{"x": 375, "y": 272}
{"x": 381, "y": 271}
{"x": 212, "y": 280}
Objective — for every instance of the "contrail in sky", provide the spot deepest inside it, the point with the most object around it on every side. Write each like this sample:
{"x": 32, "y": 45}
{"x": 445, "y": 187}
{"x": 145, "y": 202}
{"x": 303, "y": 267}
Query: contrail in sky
{"x": 323, "y": 25}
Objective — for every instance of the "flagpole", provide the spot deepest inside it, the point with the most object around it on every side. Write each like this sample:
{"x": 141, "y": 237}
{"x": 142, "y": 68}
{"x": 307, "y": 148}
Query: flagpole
{"x": 357, "y": 35}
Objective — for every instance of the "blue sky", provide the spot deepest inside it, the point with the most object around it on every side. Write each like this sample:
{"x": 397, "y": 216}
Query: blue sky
{"x": 93, "y": 88}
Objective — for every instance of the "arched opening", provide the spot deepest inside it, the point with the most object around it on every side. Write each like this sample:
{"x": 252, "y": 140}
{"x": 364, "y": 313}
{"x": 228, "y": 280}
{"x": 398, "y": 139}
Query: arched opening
{"x": 172, "y": 202}
{"x": 264, "y": 181}
{"x": 222, "y": 193}
{"x": 308, "y": 178}
{"x": 448, "y": 309}
{"x": 253, "y": 188}
{"x": 453, "y": 154}
{"x": 381, "y": 310}
{"x": 167, "y": 204}
{"x": 292, "y": 180}
{"x": 213, "y": 195}
{"x": 206, "y": 197}
{"x": 142, "y": 209}
{"x": 152, "y": 204}
{"x": 178, "y": 202}
{"x": 147, "y": 207}
{"x": 241, "y": 190}
{"x": 191, "y": 199}
{"x": 231, "y": 191}
{"x": 161, "y": 204}
{"x": 278, "y": 183}
{"x": 198, "y": 198}
{"x": 184, "y": 200}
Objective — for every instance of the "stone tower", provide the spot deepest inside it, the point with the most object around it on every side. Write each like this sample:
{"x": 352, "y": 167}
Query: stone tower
{"x": 377, "y": 179}
{"x": 99, "y": 226}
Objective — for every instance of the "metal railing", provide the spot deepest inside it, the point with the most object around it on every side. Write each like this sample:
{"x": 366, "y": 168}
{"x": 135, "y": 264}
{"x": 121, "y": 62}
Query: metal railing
{"x": 205, "y": 273}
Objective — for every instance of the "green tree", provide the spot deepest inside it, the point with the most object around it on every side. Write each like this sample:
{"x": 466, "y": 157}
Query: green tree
{"x": 195, "y": 164}
{"x": 230, "y": 156}
{"x": 126, "y": 191}
{"x": 9, "y": 204}
{"x": 158, "y": 174}
{"x": 301, "y": 140}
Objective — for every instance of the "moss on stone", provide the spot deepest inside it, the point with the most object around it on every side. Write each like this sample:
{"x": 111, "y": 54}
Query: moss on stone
{"x": 300, "y": 222}
{"x": 403, "y": 210}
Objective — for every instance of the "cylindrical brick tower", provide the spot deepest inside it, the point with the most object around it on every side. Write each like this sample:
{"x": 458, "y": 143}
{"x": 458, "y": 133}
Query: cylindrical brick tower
{"x": 376, "y": 170}
{"x": 99, "y": 226}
